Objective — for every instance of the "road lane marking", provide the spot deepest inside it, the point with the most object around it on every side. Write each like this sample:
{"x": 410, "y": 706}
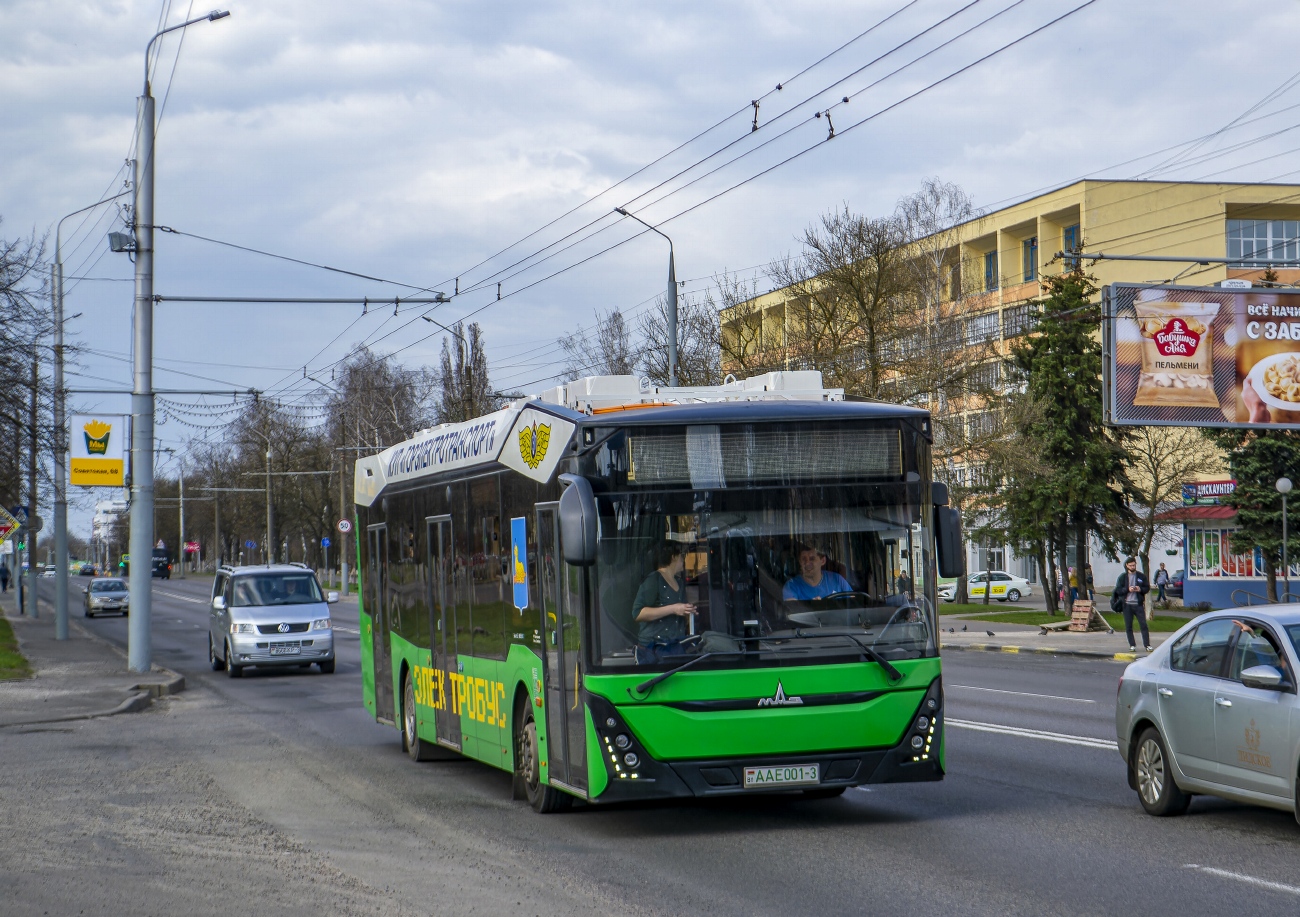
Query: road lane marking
{"x": 183, "y": 598}
{"x": 1077, "y": 700}
{"x": 1085, "y": 741}
{"x": 346, "y": 630}
{"x": 1242, "y": 877}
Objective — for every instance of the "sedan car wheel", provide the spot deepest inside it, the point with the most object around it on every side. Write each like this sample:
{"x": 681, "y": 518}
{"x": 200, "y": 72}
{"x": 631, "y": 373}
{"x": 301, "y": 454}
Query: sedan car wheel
{"x": 1157, "y": 791}
{"x": 1013, "y": 595}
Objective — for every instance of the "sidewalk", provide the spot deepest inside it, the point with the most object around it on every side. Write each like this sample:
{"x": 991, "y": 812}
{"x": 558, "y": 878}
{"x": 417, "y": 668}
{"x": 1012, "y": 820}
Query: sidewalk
{"x": 75, "y": 679}
{"x": 1029, "y": 638}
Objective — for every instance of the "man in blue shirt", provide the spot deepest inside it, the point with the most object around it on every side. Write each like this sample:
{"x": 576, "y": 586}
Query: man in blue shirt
{"x": 813, "y": 581}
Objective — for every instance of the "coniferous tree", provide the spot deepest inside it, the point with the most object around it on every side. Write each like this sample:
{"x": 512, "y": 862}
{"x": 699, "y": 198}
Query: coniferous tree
{"x": 463, "y": 377}
{"x": 1086, "y": 485}
{"x": 1256, "y": 460}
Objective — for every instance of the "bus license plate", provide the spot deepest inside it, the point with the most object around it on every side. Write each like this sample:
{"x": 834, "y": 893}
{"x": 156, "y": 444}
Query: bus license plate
{"x": 285, "y": 651}
{"x": 782, "y": 775}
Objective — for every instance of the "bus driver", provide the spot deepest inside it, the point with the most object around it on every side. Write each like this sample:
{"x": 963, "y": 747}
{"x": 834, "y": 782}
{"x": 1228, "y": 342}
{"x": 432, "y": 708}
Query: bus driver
{"x": 813, "y": 581}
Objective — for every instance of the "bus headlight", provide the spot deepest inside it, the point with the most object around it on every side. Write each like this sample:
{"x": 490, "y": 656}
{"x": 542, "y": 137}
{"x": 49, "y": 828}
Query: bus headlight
{"x": 631, "y": 759}
{"x": 622, "y": 741}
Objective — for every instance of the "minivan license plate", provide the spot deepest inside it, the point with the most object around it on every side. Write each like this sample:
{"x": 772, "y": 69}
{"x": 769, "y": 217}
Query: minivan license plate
{"x": 285, "y": 651}
{"x": 782, "y": 775}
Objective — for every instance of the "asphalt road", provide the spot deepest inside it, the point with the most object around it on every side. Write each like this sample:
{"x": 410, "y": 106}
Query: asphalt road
{"x": 276, "y": 790}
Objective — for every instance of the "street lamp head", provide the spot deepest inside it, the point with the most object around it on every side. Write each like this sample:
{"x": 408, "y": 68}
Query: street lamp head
{"x": 622, "y": 211}
{"x": 1284, "y": 486}
{"x": 121, "y": 242}
{"x": 218, "y": 14}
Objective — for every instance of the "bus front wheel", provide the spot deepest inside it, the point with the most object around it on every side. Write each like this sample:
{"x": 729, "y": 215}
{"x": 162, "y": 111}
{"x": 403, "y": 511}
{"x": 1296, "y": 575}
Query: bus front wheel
{"x": 528, "y": 769}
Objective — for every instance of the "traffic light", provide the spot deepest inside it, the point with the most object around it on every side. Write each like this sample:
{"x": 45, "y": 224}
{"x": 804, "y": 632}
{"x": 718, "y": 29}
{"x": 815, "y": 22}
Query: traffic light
{"x": 22, "y": 546}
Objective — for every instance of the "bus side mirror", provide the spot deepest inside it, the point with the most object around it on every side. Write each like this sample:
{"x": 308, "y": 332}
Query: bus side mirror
{"x": 578, "y": 521}
{"x": 947, "y": 536}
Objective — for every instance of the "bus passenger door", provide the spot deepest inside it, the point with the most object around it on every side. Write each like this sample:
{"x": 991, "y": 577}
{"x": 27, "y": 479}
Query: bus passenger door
{"x": 377, "y": 605}
{"x": 566, "y": 725}
{"x": 442, "y": 627}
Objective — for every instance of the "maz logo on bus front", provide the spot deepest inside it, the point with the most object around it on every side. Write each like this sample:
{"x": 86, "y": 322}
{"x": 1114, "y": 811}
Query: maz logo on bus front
{"x": 779, "y": 699}
{"x": 477, "y": 698}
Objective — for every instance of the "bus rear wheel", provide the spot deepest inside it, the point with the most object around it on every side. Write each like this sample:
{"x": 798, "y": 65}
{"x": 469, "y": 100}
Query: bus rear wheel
{"x": 528, "y": 768}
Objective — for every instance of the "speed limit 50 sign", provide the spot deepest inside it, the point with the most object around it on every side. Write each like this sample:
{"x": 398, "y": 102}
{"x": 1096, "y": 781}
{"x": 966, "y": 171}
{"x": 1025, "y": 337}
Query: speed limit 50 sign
{"x": 345, "y": 526}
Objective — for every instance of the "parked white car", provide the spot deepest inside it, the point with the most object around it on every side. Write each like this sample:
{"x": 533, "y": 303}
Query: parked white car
{"x": 1002, "y": 586}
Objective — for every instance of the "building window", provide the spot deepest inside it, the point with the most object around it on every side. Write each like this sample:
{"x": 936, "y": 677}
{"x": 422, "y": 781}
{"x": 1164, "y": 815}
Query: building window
{"x": 1070, "y": 242}
{"x": 980, "y": 328}
{"x": 990, "y": 271}
{"x": 1018, "y": 320}
{"x": 985, "y": 377}
{"x": 1030, "y": 252}
{"x": 1258, "y": 243}
{"x": 983, "y": 423}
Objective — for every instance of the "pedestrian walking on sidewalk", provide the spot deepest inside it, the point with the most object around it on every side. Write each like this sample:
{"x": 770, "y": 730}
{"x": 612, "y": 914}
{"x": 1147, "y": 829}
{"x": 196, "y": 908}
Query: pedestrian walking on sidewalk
{"x": 1162, "y": 580}
{"x": 1130, "y": 598}
{"x": 4, "y": 577}
{"x": 1074, "y": 586}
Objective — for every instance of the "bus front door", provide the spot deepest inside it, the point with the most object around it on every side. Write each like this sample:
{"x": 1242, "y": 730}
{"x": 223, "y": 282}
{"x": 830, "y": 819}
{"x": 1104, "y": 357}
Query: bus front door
{"x": 442, "y": 626}
{"x": 377, "y": 605}
{"x": 561, "y": 593}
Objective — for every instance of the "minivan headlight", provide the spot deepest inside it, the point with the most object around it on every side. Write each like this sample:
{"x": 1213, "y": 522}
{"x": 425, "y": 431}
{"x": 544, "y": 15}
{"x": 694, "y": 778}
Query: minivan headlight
{"x": 237, "y": 628}
{"x": 321, "y": 624}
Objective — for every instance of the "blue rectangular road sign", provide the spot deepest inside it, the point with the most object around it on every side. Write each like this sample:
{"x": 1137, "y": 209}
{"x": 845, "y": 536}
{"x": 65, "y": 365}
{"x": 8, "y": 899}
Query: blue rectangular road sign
{"x": 519, "y": 560}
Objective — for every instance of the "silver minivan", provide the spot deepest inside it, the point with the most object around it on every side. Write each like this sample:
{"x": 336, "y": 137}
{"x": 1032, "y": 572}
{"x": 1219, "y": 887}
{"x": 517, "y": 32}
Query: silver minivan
{"x": 270, "y": 615}
{"x": 1215, "y": 710}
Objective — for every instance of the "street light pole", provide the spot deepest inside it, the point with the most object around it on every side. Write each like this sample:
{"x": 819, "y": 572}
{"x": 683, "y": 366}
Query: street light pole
{"x": 672, "y": 298}
{"x": 1284, "y": 488}
{"x": 180, "y": 531}
{"x": 60, "y": 434}
{"x": 270, "y": 546}
{"x": 139, "y": 635}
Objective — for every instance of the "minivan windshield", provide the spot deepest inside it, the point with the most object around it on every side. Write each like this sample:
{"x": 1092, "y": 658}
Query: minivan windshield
{"x": 276, "y": 589}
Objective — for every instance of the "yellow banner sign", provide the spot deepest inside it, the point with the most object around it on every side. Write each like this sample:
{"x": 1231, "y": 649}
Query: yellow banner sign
{"x": 97, "y": 447}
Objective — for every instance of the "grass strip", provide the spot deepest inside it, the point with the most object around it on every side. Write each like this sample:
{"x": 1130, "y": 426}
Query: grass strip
{"x": 12, "y": 662}
{"x": 1163, "y": 625}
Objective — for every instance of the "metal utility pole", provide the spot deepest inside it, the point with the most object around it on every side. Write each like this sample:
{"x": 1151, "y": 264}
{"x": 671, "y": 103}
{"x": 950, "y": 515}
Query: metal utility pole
{"x": 672, "y": 297}
{"x": 270, "y": 545}
{"x": 33, "y": 443}
{"x": 1284, "y": 488}
{"x": 139, "y": 634}
{"x": 343, "y": 536}
{"x": 180, "y": 532}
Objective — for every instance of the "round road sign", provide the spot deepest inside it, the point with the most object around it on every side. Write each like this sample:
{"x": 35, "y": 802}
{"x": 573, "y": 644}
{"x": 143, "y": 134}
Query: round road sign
{"x": 345, "y": 526}
{"x": 250, "y": 544}
{"x": 325, "y": 542}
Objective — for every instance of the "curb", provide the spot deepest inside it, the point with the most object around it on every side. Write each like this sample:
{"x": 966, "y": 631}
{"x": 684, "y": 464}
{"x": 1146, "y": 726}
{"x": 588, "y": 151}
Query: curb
{"x": 133, "y": 704}
{"x": 1041, "y": 651}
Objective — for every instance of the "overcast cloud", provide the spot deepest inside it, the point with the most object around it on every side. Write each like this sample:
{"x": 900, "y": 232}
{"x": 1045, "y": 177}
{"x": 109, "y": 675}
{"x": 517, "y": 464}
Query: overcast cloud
{"x": 412, "y": 140}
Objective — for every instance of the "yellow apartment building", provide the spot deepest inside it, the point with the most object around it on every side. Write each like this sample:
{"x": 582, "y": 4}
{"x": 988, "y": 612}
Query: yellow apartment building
{"x": 995, "y": 265}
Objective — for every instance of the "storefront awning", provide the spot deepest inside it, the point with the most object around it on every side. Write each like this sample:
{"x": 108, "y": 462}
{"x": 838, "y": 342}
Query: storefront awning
{"x": 1187, "y": 514}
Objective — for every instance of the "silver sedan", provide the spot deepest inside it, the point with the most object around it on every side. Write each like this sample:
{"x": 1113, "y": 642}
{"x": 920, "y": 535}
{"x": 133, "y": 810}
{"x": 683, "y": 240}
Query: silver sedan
{"x": 1214, "y": 710}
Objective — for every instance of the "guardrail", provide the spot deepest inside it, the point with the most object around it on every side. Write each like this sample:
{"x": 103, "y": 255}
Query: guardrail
{"x": 1246, "y": 598}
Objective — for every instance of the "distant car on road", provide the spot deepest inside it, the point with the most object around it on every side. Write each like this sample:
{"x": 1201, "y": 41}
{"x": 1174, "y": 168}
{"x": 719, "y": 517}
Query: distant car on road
{"x": 271, "y": 615}
{"x": 1214, "y": 710}
{"x": 947, "y": 592}
{"x": 106, "y": 593}
{"x": 162, "y": 564}
{"x": 1003, "y": 586}
{"x": 49, "y": 571}
{"x": 1174, "y": 588}
{"x": 88, "y": 570}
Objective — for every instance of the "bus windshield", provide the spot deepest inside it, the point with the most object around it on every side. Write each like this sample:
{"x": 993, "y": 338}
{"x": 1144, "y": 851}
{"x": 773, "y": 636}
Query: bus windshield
{"x": 763, "y": 576}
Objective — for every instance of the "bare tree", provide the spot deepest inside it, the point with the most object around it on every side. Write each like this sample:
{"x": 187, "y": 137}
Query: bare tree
{"x": 847, "y": 310}
{"x": 466, "y": 392}
{"x": 698, "y": 353}
{"x": 1161, "y": 460}
{"x": 607, "y": 349}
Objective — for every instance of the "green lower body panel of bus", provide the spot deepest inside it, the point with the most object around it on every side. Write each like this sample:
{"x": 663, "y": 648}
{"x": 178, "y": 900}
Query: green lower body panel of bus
{"x": 863, "y": 730}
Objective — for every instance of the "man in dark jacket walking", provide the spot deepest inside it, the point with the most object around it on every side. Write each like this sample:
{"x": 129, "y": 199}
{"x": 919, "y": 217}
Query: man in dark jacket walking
{"x": 1130, "y": 598}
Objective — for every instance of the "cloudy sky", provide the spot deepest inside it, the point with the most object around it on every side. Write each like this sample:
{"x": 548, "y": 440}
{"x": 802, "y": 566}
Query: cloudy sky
{"x": 421, "y": 142}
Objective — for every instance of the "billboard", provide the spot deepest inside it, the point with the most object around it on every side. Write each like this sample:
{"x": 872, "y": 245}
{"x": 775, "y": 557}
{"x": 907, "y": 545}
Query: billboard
{"x": 1201, "y": 356}
{"x": 96, "y": 448}
{"x": 1207, "y": 493}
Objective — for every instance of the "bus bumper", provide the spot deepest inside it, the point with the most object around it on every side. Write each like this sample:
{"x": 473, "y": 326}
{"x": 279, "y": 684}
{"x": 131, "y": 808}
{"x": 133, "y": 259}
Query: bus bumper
{"x": 906, "y": 762}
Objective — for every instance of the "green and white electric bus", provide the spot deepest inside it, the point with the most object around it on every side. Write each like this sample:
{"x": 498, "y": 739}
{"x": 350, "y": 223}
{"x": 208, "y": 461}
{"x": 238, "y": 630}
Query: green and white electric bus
{"x": 622, "y": 592}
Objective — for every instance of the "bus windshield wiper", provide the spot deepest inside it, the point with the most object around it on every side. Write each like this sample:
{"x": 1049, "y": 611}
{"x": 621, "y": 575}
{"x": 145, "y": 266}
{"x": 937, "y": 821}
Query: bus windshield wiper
{"x": 647, "y": 686}
{"x": 867, "y": 650}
